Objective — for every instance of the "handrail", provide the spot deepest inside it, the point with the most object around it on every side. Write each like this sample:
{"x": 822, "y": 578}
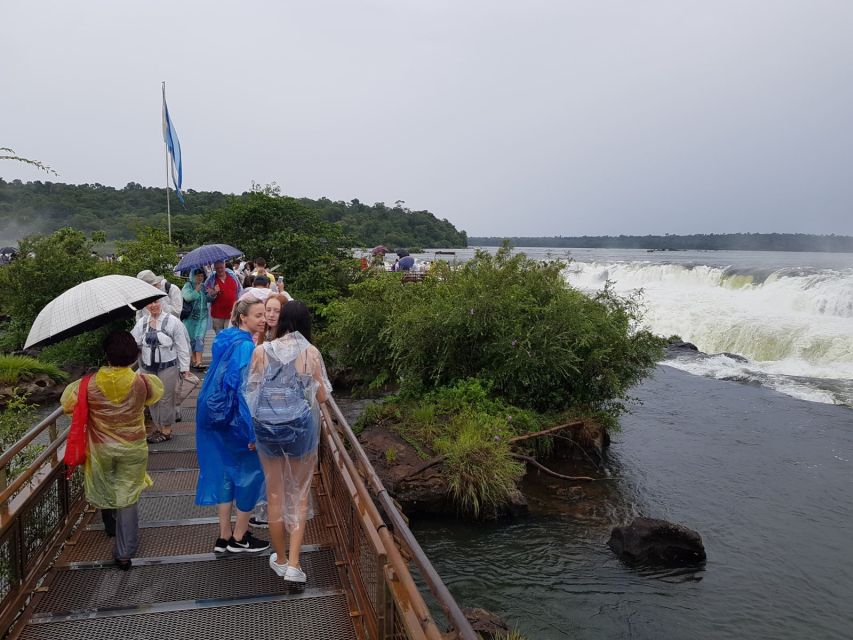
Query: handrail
{"x": 31, "y": 470}
{"x": 28, "y": 437}
{"x": 393, "y": 553}
{"x": 434, "y": 582}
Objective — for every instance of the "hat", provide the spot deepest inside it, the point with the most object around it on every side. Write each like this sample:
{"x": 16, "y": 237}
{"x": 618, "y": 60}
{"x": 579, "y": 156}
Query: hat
{"x": 149, "y": 277}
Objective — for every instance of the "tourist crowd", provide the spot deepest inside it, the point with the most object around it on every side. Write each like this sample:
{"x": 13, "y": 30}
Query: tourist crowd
{"x": 257, "y": 420}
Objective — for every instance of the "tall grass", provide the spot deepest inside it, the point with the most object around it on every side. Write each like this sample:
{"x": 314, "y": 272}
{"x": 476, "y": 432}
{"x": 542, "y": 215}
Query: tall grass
{"x": 480, "y": 473}
{"x": 15, "y": 369}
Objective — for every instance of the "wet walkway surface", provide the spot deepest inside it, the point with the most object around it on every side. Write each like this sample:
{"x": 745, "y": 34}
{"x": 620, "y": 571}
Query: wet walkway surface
{"x": 178, "y": 588}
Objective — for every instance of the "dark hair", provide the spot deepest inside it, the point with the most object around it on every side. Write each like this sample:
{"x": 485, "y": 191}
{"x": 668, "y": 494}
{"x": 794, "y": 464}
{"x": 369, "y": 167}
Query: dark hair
{"x": 261, "y": 281}
{"x": 260, "y": 262}
{"x": 121, "y": 349}
{"x": 294, "y": 317}
{"x": 248, "y": 281}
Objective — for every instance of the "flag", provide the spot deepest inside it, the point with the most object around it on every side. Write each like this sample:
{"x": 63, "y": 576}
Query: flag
{"x": 170, "y": 137}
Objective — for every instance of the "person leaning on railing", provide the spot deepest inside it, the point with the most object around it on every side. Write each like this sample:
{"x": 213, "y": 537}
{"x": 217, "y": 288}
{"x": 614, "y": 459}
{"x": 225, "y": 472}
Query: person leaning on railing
{"x": 117, "y": 455}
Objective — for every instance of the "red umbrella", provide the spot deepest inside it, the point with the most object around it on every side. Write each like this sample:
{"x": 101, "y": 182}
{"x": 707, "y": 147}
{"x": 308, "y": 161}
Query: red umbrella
{"x": 380, "y": 249}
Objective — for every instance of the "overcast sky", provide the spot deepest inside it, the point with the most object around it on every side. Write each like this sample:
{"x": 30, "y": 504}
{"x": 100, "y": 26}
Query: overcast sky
{"x": 566, "y": 117}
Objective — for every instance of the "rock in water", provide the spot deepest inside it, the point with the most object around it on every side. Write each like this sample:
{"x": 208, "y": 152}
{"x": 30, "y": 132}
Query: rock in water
{"x": 486, "y": 624}
{"x": 647, "y": 540}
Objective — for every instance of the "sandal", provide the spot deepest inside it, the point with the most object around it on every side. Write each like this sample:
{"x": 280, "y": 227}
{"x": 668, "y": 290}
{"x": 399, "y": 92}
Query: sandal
{"x": 157, "y": 437}
{"x": 166, "y": 436}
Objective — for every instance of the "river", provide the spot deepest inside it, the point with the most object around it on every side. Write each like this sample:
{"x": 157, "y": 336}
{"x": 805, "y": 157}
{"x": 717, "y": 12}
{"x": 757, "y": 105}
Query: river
{"x": 762, "y": 470}
{"x": 765, "y": 478}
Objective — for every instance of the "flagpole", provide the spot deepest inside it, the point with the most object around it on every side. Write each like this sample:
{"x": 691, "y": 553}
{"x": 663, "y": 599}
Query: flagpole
{"x": 168, "y": 204}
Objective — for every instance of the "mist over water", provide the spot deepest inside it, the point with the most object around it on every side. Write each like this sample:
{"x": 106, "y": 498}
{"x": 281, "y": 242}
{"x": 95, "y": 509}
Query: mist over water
{"x": 793, "y": 323}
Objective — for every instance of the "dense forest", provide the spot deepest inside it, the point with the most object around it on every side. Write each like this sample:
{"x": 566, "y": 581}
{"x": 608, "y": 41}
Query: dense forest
{"x": 698, "y": 241}
{"x": 43, "y": 207}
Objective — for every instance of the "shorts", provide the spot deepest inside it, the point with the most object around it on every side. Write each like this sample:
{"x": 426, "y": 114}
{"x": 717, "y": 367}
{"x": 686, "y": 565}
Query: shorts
{"x": 220, "y": 323}
{"x": 296, "y": 438}
{"x": 197, "y": 345}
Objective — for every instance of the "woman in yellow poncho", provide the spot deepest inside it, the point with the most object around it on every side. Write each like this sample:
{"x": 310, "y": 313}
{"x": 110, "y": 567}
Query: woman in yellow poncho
{"x": 115, "y": 472}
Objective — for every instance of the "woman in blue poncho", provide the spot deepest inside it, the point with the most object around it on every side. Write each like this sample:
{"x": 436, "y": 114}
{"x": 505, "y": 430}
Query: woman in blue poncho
{"x": 230, "y": 471}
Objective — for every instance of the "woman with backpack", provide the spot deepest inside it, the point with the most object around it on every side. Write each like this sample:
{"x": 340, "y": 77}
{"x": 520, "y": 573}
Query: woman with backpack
{"x": 286, "y": 383}
{"x": 229, "y": 470}
{"x": 164, "y": 350}
{"x": 195, "y": 317}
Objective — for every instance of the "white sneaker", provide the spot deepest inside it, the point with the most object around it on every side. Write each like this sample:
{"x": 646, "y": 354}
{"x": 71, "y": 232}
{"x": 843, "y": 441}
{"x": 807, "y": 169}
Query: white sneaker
{"x": 280, "y": 569}
{"x": 294, "y": 574}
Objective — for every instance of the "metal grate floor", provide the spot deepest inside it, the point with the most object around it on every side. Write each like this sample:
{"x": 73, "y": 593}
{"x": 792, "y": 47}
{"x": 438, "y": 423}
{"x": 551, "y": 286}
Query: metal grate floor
{"x": 181, "y": 440}
{"x": 308, "y": 618}
{"x": 222, "y": 578}
{"x": 159, "y": 542}
{"x": 164, "y": 460}
{"x": 172, "y": 482}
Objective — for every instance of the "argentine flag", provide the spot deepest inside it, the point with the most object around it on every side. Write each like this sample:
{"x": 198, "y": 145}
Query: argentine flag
{"x": 170, "y": 137}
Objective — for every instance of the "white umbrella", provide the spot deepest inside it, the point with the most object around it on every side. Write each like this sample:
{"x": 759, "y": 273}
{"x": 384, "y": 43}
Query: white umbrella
{"x": 89, "y": 305}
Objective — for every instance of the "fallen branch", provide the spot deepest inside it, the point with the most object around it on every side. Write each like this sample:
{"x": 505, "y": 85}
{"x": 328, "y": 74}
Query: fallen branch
{"x": 559, "y": 427}
{"x": 440, "y": 458}
{"x": 426, "y": 465}
{"x": 542, "y": 467}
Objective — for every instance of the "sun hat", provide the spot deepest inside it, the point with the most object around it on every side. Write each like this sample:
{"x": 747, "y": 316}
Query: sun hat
{"x": 148, "y": 276}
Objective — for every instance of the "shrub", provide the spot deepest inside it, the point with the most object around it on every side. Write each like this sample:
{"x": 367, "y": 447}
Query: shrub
{"x": 15, "y": 421}
{"x": 14, "y": 369}
{"x": 509, "y": 321}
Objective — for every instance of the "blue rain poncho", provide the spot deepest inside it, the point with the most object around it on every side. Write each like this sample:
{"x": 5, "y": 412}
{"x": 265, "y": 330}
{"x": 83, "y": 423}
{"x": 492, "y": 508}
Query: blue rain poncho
{"x": 228, "y": 469}
{"x": 196, "y": 323}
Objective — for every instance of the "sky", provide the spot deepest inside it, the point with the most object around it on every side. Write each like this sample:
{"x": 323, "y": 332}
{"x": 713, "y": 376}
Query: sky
{"x": 567, "y": 117}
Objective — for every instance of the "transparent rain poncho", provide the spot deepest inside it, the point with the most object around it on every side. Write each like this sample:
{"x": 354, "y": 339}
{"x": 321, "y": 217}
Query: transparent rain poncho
{"x": 117, "y": 454}
{"x": 286, "y": 381}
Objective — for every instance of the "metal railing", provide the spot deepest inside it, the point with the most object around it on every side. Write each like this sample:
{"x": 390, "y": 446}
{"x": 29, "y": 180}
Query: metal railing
{"x": 390, "y": 604}
{"x": 38, "y": 509}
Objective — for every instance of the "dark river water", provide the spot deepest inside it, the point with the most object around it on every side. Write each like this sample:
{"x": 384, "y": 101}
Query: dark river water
{"x": 766, "y": 479}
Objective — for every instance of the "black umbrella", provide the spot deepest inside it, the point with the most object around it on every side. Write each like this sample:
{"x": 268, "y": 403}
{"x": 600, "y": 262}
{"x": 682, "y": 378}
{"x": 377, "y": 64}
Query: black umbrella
{"x": 402, "y": 253}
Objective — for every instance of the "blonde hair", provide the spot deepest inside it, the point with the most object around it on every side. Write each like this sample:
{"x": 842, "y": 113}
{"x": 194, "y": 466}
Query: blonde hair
{"x": 241, "y": 308}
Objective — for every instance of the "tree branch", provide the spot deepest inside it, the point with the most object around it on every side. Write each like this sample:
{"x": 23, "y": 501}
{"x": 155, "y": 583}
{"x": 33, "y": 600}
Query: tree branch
{"x": 542, "y": 467}
{"x": 559, "y": 427}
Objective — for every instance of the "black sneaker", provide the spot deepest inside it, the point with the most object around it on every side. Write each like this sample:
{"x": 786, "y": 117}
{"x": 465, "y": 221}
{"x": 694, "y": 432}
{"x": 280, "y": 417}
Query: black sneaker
{"x": 248, "y": 543}
{"x": 221, "y": 545}
{"x": 257, "y": 522}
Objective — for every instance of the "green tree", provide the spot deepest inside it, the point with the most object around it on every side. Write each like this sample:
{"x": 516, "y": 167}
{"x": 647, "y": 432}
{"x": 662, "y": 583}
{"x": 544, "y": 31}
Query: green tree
{"x": 46, "y": 266}
{"x": 310, "y": 252}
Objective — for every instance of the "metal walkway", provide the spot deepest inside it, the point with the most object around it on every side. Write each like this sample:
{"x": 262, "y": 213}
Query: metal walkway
{"x": 357, "y": 560}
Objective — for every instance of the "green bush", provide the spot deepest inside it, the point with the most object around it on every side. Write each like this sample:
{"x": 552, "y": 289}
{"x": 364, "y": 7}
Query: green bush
{"x": 509, "y": 321}
{"x": 14, "y": 369}
{"x": 15, "y": 421}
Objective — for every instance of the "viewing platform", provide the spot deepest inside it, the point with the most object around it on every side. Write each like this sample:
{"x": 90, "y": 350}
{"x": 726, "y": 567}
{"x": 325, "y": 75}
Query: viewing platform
{"x": 56, "y": 565}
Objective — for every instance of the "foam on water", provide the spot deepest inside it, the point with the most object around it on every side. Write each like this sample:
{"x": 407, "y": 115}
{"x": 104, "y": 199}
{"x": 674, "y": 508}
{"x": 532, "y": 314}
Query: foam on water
{"x": 795, "y": 325}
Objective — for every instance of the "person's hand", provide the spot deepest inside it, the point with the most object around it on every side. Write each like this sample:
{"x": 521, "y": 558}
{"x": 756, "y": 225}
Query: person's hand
{"x": 216, "y": 288}
{"x": 251, "y": 446}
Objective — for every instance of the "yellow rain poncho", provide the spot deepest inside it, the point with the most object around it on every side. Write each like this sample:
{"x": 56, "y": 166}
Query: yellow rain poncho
{"x": 117, "y": 456}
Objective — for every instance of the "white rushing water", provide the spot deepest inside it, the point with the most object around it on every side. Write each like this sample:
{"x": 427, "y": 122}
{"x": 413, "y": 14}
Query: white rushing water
{"x": 794, "y": 324}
